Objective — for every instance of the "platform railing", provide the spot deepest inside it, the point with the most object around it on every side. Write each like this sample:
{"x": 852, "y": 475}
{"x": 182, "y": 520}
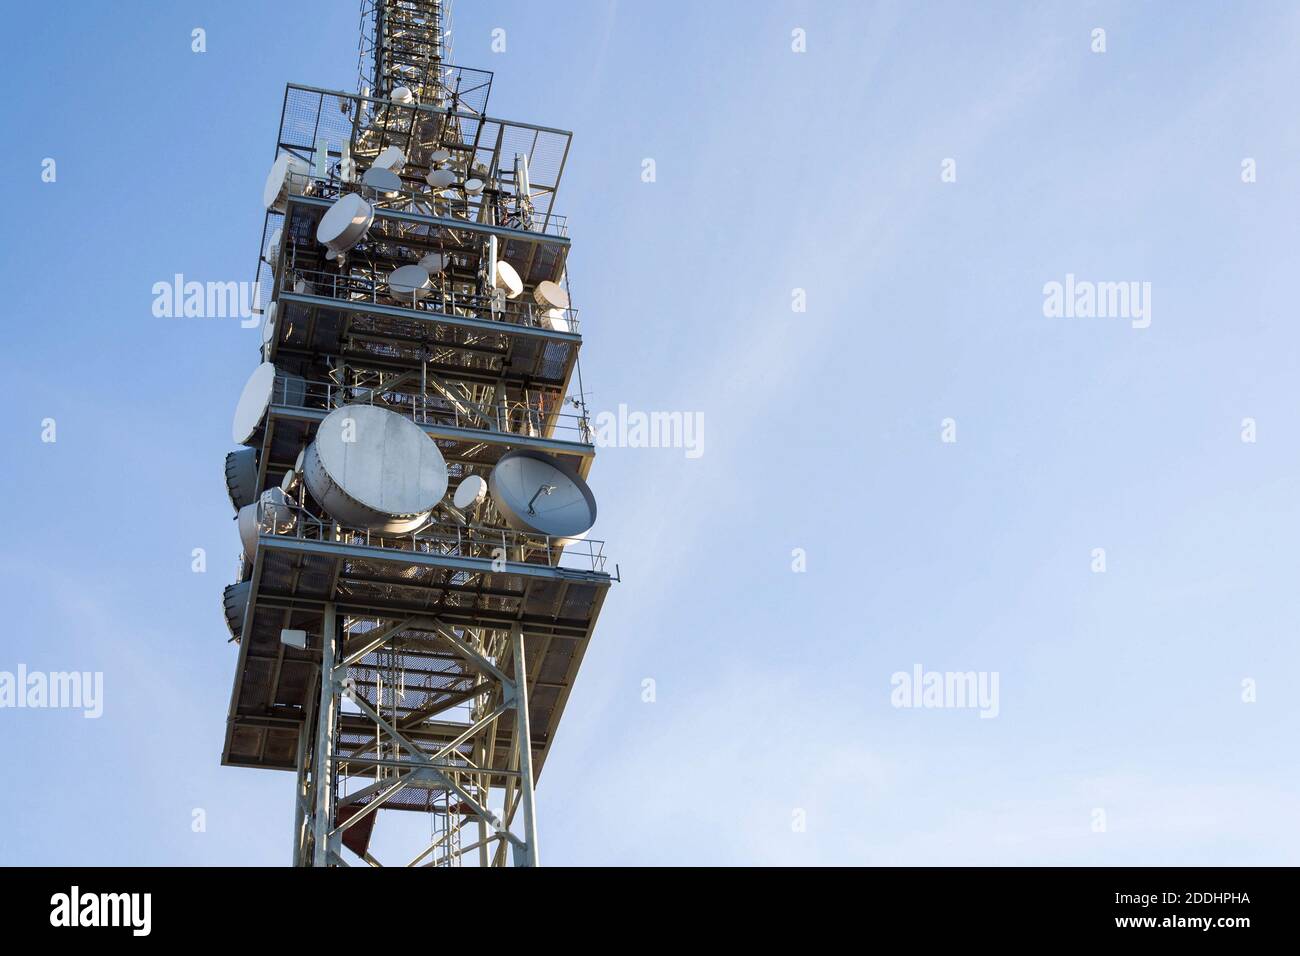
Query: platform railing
{"x": 503, "y": 546}
{"x": 490, "y": 207}
{"x": 363, "y": 288}
{"x": 516, "y": 418}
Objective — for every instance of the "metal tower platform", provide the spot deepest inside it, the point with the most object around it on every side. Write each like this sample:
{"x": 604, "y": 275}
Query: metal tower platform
{"x": 425, "y": 670}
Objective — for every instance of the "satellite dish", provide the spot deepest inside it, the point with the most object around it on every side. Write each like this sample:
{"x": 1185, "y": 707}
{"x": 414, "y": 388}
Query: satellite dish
{"x": 289, "y": 482}
{"x": 273, "y": 248}
{"x": 470, "y": 492}
{"x": 344, "y": 223}
{"x": 235, "y": 602}
{"x": 298, "y": 462}
{"x": 551, "y": 295}
{"x": 557, "y": 320}
{"x": 473, "y": 186}
{"x": 373, "y": 468}
{"x": 534, "y": 492}
{"x": 440, "y": 178}
{"x": 403, "y": 95}
{"x": 288, "y": 175}
{"x": 407, "y": 282}
{"x": 268, "y": 324}
{"x": 276, "y": 517}
{"x": 256, "y": 398}
{"x": 384, "y": 183}
{"x": 241, "y": 477}
{"x": 439, "y": 156}
{"x": 390, "y": 158}
{"x": 253, "y": 402}
{"x": 434, "y": 262}
{"x": 508, "y": 279}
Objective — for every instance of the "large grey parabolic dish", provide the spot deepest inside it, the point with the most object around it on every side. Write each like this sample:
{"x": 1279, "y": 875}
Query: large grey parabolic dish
{"x": 241, "y": 477}
{"x": 519, "y": 484}
{"x": 373, "y": 468}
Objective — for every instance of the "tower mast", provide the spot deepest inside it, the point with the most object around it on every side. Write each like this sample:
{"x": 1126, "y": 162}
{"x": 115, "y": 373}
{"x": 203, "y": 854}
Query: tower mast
{"x": 417, "y": 586}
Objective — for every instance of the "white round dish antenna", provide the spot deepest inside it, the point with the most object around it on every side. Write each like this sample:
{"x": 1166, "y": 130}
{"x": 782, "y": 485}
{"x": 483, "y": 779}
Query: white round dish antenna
{"x": 536, "y": 493}
{"x": 390, "y": 158}
{"x": 473, "y": 186}
{"x": 557, "y": 320}
{"x": 298, "y": 462}
{"x": 259, "y": 391}
{"x": 288, "y": 482}
{"x": 241, "y": 477}
{"x": 403, "y": 95}
{"x": 439, "y": 156}
{"x": 440, "y": 178}
{"x": 288, "y": 175}
{"x": 408, "y": 282}
{"x": 434, "y": 263}
{"x": 268, "y": 324}
{"x": 373, "y": 468}
{"x": 273, "y": 248}
{"x": 382, "y": 182}
{"x": 253, "y": 402}
{"x": 344, "y": 223}
{"x": 470, "y": 492}
{"x": 551, "y": 295}
{"x": 508, "y": 279}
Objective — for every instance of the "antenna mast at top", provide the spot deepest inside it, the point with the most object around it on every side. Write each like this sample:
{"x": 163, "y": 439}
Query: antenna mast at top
{"x": 405, "y": 43}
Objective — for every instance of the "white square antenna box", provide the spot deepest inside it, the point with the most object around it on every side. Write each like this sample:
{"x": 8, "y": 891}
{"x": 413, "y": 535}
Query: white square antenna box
{"x": 294, "y": 638}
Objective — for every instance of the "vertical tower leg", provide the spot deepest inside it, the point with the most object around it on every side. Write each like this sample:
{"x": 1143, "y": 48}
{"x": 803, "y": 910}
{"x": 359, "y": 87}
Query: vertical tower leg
{"x": 300, "y": 798}
{"x": 323, "y": 764}
{"x": 528, "y": 856}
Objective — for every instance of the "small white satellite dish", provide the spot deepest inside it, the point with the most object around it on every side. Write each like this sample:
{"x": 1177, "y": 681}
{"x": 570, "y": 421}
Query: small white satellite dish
{"x": 434, "y": 262}
{"x": 373, "y": 468}
{"x": 403, "y": 95}
{"x": 473, "y": 186}
{"x": 440, "y": 178}
{"x": 253, "y": 402}
{"x": 508, "y": 279}
{"x": 273, "y": 248}
{"x": 241, "y": 477}
{"x": 276, "y": 517}
{"x": 390, "y": 158}
{"x": 407, "y": 282}
{"x": 439, "y": 156}
{"x": 536, "y": 493}
{"x": 259, "y": 391}
{"x": 289, "y": 482}
{"x": 551, "y": 295}
{"x": 297, "y": 462}
{"x": 470, "y": 492}
{"x": 383, "y": 183}
{"x": 344, "y": 223}
{"x": 268, "y": 324}
{"x": 288, "y": 175}
{"x": 557, "y": 320}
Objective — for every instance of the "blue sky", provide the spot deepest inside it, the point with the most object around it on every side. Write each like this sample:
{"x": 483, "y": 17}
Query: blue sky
{"x": 776, "y": 170}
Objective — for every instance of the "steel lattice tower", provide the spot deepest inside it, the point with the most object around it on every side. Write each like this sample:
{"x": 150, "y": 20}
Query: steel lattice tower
{"x": 423, "y": 669}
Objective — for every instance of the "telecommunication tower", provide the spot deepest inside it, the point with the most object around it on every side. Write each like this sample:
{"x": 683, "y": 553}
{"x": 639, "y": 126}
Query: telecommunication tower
{"x": 417, "y": 587}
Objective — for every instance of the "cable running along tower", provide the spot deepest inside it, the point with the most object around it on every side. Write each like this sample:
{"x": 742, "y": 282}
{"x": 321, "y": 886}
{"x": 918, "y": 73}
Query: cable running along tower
{"x": 417, "y": 586}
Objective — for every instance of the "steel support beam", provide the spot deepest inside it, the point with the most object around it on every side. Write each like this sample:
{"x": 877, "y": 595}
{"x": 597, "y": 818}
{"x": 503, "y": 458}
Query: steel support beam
{"x": 526, "y": 855}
